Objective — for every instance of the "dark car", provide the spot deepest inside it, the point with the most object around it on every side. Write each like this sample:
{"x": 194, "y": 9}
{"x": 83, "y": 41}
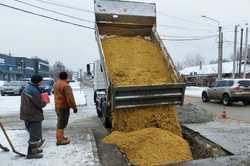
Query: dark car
{"x": 47, "y": 85}
{"x": 12, "y": 88}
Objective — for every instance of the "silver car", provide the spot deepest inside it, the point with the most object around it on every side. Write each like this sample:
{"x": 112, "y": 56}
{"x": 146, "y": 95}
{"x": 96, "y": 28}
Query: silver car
{"x": 228, "y": 91}
{"x": 12, "y": 88}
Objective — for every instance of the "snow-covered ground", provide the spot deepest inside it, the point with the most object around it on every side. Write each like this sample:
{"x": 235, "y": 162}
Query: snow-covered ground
{"x": 10, "y": 105}
{"x": 80, "y": 152}
{"x": 194, "y": 91}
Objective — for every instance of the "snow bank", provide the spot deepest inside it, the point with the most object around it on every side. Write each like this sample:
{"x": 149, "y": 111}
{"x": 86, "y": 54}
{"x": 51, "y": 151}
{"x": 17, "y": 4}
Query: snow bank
{"x": 227, "y": 67}
{"x": 194, "y": 91}
{"x": 10, "y": 105}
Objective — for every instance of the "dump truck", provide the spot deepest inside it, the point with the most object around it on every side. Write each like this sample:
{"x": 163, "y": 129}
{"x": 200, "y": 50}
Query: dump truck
{"x": 131, "y": 19}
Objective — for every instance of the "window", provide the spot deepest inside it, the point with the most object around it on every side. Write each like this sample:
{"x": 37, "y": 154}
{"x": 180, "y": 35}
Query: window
{"x": 225, "y": 83}
{"x": 245, "y": 83}
{"x": 221, "y": 84}
{"x": 229, "y": 83}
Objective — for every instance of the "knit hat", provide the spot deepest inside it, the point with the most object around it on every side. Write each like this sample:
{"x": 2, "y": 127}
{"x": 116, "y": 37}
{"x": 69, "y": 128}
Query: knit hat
{"x": 35, "y": 79}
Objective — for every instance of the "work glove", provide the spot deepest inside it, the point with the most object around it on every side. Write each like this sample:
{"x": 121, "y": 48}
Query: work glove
{"x": 75, "y": 110}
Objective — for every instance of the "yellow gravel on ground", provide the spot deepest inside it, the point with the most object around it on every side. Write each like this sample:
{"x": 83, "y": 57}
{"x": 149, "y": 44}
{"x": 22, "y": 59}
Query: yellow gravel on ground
{"x": 151, "y": 146}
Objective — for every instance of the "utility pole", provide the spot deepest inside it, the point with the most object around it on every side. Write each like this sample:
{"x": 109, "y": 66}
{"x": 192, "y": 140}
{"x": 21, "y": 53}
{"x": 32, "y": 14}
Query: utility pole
{"x": 220, "y": 45}
{"x": 246, "y": 52}
{"x": 240, "y": 56}
{"x": 235, "y": 49}
{"x": 220, "y": 51}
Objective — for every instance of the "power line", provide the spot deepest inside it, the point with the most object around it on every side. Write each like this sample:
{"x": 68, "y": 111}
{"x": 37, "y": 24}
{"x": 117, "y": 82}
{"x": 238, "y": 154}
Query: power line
{"x": 44, "y": 16}
{"x": 64, "y": 6}
{"x": 180, "y": 36}
{"x": 181, "y": 19}
{"x": 183, "y": 28}
{"x": 189, "y": 39}
{"x": 53, "y": 11}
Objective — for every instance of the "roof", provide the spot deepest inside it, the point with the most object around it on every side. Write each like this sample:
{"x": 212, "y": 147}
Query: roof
{"x": 227, "y": 68}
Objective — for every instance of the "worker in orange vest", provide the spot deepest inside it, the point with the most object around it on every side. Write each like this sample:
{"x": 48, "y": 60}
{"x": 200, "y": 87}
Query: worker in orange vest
{"x": 64, "y": 101}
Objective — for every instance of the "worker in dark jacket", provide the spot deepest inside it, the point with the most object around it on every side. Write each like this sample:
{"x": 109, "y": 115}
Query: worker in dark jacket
{"x": 64, "y": 100}
{"x": 32, "y": 114}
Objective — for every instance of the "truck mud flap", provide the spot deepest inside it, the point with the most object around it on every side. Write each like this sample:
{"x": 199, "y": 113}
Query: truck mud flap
{"x": 146, "y": 96}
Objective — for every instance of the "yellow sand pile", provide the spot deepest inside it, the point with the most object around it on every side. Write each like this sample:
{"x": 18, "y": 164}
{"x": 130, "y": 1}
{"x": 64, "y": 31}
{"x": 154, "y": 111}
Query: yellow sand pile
{"x": 151, "y": 146}
{"x": 136, "y": 61}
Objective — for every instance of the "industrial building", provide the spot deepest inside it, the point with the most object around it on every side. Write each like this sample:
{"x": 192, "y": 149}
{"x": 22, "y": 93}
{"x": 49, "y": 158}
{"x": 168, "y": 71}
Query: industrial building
{"x": 17, "y": 68}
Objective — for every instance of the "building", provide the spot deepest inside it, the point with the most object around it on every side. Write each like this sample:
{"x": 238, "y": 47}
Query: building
{"x": 207, "y": 74}
{"x": 17, "y": 68}
{"x": 8, "y": 68}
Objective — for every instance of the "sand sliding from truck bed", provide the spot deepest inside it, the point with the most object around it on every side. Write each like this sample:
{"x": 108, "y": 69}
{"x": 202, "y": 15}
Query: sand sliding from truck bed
{"x": 137, "y": 61}
{"x": 152, "y": 135}
{"x": 151, "y": 146}
{"x": 161, "y": 117}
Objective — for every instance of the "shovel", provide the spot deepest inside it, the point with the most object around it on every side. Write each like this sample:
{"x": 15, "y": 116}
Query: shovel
{"x": 4, "y": 148}
{"x": 11, "y": 145}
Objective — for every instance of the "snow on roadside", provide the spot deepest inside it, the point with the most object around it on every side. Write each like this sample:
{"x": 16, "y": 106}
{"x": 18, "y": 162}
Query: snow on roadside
{"x": 78, "y": 153}
{"x": 194, "y": 91}
{"x": 10, "y": 105}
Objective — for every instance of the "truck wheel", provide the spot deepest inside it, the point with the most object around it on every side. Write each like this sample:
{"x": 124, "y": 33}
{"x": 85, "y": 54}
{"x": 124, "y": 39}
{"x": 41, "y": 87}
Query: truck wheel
{"x": 226, "y": 100}
{"x": 99, "y": 112}
{"x": 2, "y": 94}
{"x": 105, "y": 117}
{"x": 246, "y": 102}
{"x": 204, "y": 97}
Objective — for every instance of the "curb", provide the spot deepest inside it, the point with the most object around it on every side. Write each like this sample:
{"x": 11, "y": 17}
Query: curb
{"x": 94, "y": 148}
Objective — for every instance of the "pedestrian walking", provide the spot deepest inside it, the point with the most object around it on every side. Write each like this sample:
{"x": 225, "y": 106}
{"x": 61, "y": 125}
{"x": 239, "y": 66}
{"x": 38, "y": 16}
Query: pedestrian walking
{"x": 64, "y": 101}
{"x": 31, "y": 112}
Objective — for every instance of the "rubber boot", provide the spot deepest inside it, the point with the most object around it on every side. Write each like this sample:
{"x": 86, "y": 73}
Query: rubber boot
{"x": 41, "y": 142}
{"x": 60, "y": 138}
{"x": 34, "y": 152}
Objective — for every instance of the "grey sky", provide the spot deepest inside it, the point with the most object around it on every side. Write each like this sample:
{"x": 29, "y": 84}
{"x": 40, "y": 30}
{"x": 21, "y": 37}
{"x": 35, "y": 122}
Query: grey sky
{"x": 26, "y": 35}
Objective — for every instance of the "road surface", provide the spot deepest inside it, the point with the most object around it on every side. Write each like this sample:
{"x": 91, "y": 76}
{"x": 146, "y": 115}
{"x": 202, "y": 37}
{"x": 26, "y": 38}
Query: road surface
{"x": 237, "y": 111}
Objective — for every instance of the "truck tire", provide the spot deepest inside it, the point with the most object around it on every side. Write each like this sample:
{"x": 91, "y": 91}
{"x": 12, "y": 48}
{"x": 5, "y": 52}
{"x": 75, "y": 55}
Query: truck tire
{"x": 99, "y": 113}
{"x": 226, "y": 100}
{"x": 246, "y": 102}
{"x": 106, "y": 120}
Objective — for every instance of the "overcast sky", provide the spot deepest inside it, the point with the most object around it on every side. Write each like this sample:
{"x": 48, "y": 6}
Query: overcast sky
{"x": 27, "y": 35}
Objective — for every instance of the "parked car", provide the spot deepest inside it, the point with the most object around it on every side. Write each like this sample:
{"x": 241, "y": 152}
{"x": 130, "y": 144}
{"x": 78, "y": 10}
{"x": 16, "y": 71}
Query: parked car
{"x": 1, "y": 84}
{"x": 228, "y": 91}
{"x": 47, "y": 85}
{"x": 12, "y": 88}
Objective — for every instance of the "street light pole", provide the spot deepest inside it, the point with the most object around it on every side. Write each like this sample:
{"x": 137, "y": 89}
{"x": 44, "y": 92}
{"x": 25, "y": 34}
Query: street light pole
{"x": 246, "y": 52}
{"x": 220, "y": 52}
{"x": 220, "y": 46}
{"x": 241, "y": 51}
{"x": 235, "y": 50}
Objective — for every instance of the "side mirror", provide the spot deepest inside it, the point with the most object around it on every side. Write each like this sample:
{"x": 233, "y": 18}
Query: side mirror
{"x": 88, "y": 69}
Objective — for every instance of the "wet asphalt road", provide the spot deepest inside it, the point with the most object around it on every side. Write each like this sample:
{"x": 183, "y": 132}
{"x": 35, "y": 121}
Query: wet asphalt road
{"x": 237, "y": 111}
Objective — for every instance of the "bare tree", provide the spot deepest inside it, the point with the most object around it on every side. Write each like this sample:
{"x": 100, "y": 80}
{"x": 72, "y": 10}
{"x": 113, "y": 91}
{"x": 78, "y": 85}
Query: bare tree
{"x": 193, "y": 60}
{"x": 179, "y": 65}
{"x": 57, "y": 68}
